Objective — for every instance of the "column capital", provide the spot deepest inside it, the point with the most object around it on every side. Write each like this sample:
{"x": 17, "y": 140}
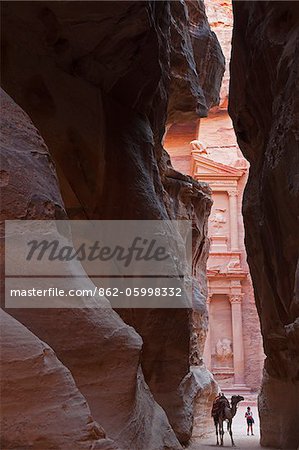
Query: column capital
{"x": 209, "y": 298}
{"x": 232, "y": 192}
{"x": 236, "y": 298}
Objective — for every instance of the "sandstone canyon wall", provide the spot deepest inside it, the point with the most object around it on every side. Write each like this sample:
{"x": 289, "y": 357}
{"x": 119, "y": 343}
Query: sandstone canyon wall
{"x": 94, "y": 344}
{"x": 95, "y": 78}
{"x": 264, "y": 108}
{"x": 52, "y": 413}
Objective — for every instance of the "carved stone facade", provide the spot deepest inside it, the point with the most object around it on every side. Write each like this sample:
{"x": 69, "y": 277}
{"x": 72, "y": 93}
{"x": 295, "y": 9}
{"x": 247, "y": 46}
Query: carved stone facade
{"x": 224, "y": 350}
{"x": 207, "y": 151}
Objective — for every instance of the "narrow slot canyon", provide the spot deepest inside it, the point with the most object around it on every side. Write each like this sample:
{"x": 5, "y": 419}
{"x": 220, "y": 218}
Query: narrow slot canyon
{"x": 169, "y": 112}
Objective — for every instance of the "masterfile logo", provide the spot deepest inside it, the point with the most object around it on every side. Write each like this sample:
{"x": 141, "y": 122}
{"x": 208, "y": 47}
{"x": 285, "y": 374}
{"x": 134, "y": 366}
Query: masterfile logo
{"x": 140, "y": 249}
{"x": 72, "y": 263}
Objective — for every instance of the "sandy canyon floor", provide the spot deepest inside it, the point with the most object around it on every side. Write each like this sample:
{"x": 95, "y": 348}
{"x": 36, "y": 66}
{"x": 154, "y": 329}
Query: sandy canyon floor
{"x": 239, "y": 432}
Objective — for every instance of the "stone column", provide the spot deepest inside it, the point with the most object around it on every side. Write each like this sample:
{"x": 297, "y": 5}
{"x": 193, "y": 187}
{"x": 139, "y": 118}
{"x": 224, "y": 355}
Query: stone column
{"x": 233, "y": 218}
{"x": 207, "y": 357}
{"x": 238, "y": 345}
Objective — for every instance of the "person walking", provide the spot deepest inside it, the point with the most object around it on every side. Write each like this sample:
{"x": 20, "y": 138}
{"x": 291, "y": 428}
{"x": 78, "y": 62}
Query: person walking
{"x": 250, "y": 421}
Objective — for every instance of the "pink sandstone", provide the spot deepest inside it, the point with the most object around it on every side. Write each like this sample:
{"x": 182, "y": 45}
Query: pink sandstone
{"x": 100, "y": 102}
{"x": 52, "y": 413}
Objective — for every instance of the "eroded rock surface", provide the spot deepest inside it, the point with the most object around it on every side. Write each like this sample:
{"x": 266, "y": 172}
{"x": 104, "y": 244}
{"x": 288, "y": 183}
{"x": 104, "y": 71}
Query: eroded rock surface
{"x": 264, "y": 107}
{"x": 100, "y": 350}
{"x": 197, "y": 63}
{"x": 220, "y": 17}
{"x": 41, "y": 407}
{"x": 206, "y": 390}
{"x": 95, "y": 78}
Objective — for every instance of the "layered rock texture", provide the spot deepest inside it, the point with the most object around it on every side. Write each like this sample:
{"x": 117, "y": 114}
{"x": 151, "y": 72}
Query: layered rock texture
{"x": 101, "y": 351}
{"x": 264, "y": 108}
{"x": 51, "y": 412}
{"x": 95, "y": 79}
{"x": 195, "y": 75}
{"x": 220, "y": 18}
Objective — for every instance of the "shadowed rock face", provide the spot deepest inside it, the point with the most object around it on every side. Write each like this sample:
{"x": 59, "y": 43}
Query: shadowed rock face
{"x": 95, "y": 78}
{"x": 52, "y": 412}
{"x": 197, "y": 63}
{"x": 265, "y": 111}
{"x": 100, "y": 350}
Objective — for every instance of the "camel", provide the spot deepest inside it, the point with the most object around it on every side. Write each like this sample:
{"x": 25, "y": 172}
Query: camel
{"x": 222, "y": 411}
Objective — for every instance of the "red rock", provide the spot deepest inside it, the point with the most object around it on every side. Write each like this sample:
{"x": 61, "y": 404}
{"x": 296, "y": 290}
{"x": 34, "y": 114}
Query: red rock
{"x": 197, "y": 63}
{"x": 264, "y": 108}
{"x": 220, "y": 18}
{"x": 98, "y": 95}
{"x": 41, "y": 406}
{"x": 94, "y": 344}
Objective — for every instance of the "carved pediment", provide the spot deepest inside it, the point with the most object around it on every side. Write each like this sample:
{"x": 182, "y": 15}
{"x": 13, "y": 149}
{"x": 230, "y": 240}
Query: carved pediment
{"x": 206, "y": 168}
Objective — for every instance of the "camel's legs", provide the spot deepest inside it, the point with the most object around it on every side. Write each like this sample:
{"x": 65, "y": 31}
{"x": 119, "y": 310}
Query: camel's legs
{"x": 221, "y": 431}
{"x": 216, "y": 427}
{"x": 229, "y": 426}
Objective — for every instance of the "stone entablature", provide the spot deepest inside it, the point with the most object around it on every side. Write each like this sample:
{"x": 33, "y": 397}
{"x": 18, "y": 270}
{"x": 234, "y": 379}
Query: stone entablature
{"x": 210, "y": 170}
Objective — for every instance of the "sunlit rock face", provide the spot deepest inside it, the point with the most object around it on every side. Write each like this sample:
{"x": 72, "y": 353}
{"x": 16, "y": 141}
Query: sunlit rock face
{"x": 95, "y": 78}
{"x": 264, "y": 107}
{"x": 220, "y": 17}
